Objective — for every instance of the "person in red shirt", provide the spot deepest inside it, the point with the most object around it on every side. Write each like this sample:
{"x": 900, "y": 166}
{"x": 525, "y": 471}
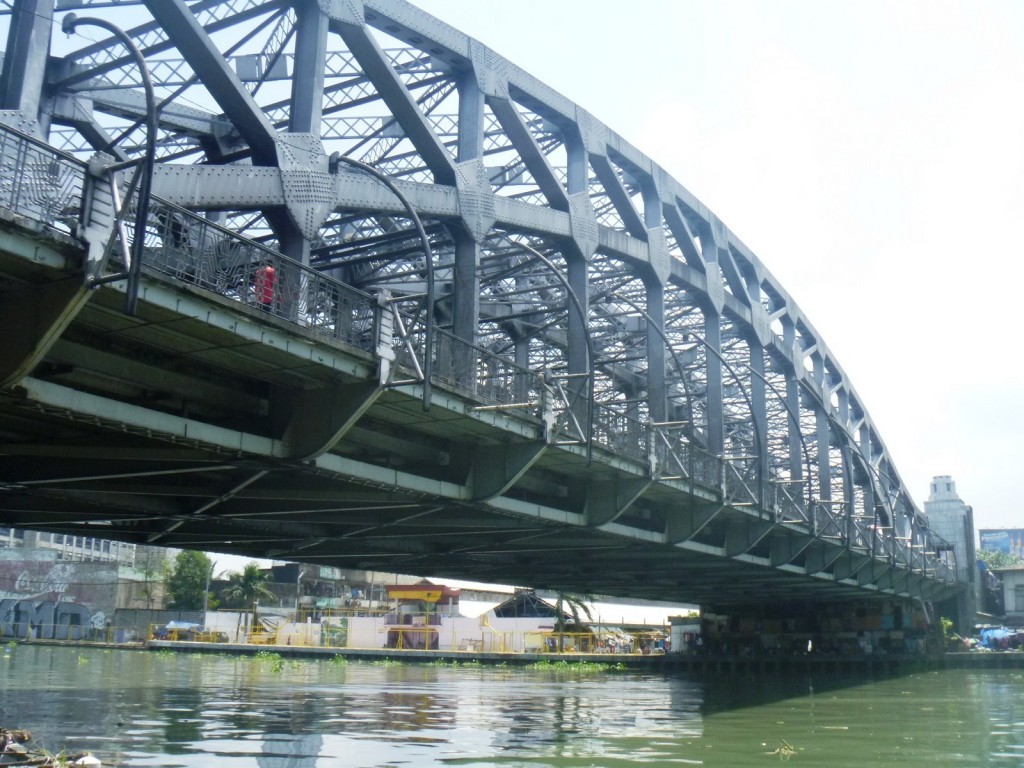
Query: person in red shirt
{"x": 264, "y": 284}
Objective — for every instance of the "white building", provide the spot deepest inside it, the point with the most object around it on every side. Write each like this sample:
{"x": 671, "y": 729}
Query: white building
{"x": 81, "y": 549}
{"x": 1013, "y": 593}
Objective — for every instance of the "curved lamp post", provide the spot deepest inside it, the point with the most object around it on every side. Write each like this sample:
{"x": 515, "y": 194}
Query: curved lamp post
{"x": 68, "y": 25}
{"x": 428, "y": 256}
{"x": 591, "y": 374}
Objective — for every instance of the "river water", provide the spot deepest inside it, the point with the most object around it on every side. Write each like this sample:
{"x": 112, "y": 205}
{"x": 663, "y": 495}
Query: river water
{"x": 139, "y": 708}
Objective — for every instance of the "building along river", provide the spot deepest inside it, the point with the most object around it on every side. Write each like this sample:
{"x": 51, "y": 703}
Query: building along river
{"x": 139, "y": 708}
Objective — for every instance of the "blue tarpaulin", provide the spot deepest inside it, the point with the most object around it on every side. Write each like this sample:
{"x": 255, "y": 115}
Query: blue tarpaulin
{"x": 996, "y": 637}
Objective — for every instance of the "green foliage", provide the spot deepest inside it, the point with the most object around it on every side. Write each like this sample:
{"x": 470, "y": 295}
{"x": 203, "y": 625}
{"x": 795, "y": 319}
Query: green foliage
{"x": 275, "y": 660}
{"x": 575, "y": 666}
{"x": 187, "y": 583}
{"x": 994, "y": 558}
{"x": 576, "y": 605}
{"x": 947, "y": 628}
{"x": 455, "y": 663}
{"x": 247, "y": 587}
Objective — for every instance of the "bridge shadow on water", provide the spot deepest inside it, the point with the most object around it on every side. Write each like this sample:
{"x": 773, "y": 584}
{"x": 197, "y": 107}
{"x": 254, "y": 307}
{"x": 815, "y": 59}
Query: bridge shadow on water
{"x": 729, "y": 683}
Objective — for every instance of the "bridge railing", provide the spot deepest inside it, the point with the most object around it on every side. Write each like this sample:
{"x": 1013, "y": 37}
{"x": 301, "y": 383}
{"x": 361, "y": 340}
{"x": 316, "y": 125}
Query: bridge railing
{"x": 481, "y": 374}
{"x": 678, "y": 459}
{"x": 193, "y": 249}
{"x": 620, "y": 432}
{"x": 499, "y": 383}
{"x": 741, "y": 483}
{"x": 40, "y": 182}
{"x": 785, "y": 498}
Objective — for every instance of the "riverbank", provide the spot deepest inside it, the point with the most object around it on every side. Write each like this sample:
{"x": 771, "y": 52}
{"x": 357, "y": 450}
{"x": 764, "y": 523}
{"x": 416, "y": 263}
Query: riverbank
{"x": 868, "y": 664}
{"x": 631, "y": 660}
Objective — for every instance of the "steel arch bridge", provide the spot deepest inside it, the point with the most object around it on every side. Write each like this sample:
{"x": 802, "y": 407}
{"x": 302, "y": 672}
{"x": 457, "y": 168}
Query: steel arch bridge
{"x": 346, "y": 286}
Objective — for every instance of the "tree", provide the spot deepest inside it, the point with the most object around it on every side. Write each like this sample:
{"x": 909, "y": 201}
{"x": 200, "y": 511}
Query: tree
{"x": 155, "y": 567}
{"x": 576, "y": 605}
{"x": 247, "y": 587}
{"x": 995, "y": 558}
{"x": 187, "y": 583}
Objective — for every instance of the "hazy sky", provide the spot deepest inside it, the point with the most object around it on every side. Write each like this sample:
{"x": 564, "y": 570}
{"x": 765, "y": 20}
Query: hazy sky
{"x": 870, "y": 154}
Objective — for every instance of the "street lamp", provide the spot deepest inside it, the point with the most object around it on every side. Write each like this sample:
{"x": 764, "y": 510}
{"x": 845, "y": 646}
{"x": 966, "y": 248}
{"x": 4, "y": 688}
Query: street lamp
{"x": 428, "y": 256}
{"x": 134, "y": 270}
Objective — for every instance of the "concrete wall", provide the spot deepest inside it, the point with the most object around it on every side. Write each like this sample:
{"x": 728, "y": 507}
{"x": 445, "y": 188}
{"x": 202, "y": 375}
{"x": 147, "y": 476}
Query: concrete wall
{"x": 59, "y": 600}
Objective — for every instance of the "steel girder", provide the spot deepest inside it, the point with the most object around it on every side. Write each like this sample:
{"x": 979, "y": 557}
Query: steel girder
{"x": 555, "y": 243}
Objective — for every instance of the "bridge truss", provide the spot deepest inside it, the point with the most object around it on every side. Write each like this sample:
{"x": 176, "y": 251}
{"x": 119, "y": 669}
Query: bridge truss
{"x": 499, "y": 342}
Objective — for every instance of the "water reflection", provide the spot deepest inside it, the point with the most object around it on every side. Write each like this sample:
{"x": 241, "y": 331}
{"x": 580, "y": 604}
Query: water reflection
{"x": 146, "y": 709}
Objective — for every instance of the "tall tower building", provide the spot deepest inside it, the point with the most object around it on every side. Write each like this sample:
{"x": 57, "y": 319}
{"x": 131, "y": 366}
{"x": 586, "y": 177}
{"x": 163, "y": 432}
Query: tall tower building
{"x": 953, "y": 520}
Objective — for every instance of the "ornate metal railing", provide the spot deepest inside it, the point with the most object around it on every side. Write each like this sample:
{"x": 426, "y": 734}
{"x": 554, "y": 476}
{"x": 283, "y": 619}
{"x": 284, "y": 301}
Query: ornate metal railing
{"x": 620, "y": 432}
{"x": 193, "y": 249}
{"x": 40, "y": 183}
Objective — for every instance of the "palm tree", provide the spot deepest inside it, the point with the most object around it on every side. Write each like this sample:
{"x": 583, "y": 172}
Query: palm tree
{"x": 247, "y": 587}
{"x": 576, "y": 604}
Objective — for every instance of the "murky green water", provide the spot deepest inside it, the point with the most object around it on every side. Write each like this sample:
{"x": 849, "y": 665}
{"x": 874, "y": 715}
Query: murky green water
{"x": 135, "y": 708}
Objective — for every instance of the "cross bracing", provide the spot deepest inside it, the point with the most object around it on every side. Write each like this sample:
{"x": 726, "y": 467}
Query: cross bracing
{"x": 552, "y": 274}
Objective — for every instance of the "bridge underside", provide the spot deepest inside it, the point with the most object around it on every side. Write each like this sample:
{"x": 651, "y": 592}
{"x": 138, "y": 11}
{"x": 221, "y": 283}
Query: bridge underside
{"x": 177, "y": 427}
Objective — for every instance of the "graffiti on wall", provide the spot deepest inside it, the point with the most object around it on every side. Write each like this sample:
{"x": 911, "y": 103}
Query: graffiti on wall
{"x": 49, "y": 620}
{"x": 49, "y": 600}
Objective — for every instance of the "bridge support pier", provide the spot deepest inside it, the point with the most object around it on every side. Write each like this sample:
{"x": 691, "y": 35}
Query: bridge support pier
{"x": 320, "y": 418}
{"x": 33, "y": 319}
{"x": 608, "y": 500}
{"x": 497, "y": 467}
{"x": 686, "y": 523}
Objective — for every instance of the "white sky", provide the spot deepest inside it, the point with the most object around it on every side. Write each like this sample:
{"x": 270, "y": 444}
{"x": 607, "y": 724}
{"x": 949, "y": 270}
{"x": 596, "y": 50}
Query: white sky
{"x": 869, "y": 152}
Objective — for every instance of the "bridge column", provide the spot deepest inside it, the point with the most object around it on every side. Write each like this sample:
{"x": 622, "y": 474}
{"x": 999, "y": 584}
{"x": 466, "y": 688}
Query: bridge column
{"x": 308, "y": 79}
{"x": 466, "y": 290}
{"x": 657, "y": 395}
{"x": 759, "y": 411}
{"x": 28, "y": 48}
{"x": 715, "y": 398}
{"x": 822, "y": 437}
{"x": 757, "y": 338}
{"x": 654, "y": 285}
{"x": 522, "y": 358}
{"x": 577, "y": 252}
{"x": 872, "y": 502}
{"x": 305, "y": 112}
{"x": 711, "y": 240}
{"x": 578, "y": 353}
{"x": 796, "y": 467}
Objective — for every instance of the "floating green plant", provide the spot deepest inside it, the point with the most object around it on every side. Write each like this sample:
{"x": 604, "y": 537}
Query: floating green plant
{"x": 275, "y": 660}
{"x": 576, "y": 666}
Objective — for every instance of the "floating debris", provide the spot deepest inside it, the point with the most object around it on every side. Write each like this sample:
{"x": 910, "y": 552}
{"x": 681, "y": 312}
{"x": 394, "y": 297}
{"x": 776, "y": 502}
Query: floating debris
{"x": 16, "y": 750}
{"x": 784, "y": 751}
